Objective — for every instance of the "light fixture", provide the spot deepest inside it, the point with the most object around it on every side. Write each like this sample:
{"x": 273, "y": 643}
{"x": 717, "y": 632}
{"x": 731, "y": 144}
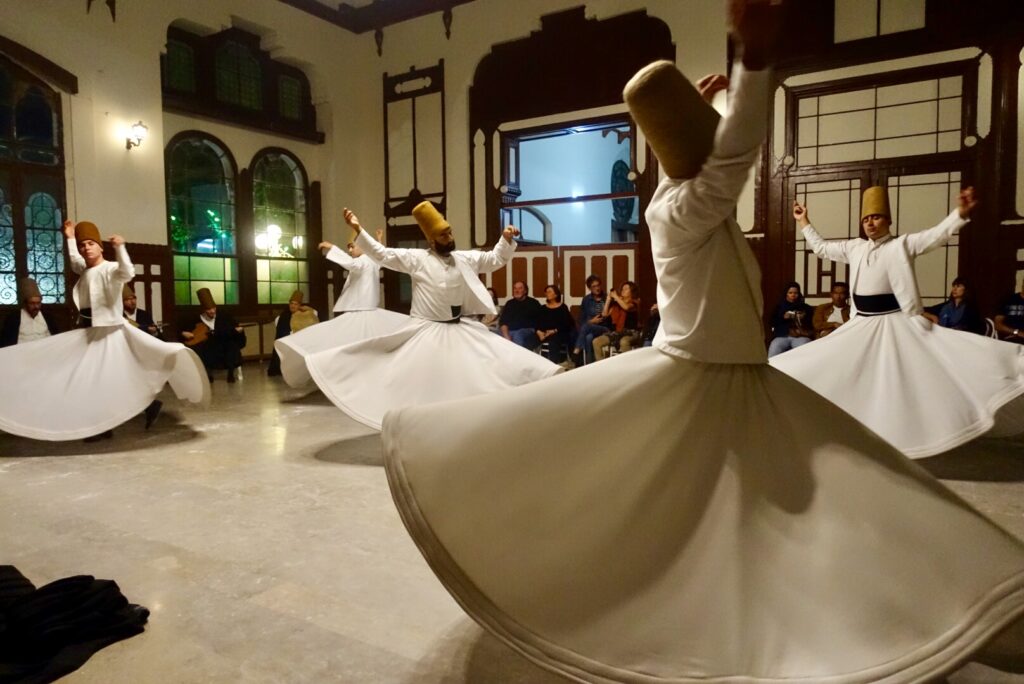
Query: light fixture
{"x": 138, "y": 133}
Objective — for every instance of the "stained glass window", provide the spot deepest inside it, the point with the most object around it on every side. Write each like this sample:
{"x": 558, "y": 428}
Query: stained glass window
{"x": 8, "y": 276}
{"x": 201, "y": 219}
{"x": 279, "y": 218}
{"x": 180, "y": 67}
{"x": 239, "y": 78}
{"x": 31, "y": 186}
{"x": 44, "y": 240}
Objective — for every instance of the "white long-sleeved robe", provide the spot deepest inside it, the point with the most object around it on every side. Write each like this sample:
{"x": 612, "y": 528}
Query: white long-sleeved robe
{"x": 85, "y": 381}
{"x": 428, "y": 359}
{"x": 687, "y": 513}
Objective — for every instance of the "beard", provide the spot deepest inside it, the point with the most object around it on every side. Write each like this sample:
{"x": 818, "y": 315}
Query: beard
{"x": 444, "y": 250}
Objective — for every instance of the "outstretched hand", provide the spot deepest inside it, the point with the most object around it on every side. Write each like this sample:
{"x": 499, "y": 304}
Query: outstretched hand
{"x": 966, "y": 201}
{"x": 116, "y": 240}
{"x": 325, "y": 245}
{"x": 711, "y": 85}
{"x": 352, "y": 220}
{"x": 757, "y": 26}
{"x": 510, "y": 232}
{"x": 800, "y": 214}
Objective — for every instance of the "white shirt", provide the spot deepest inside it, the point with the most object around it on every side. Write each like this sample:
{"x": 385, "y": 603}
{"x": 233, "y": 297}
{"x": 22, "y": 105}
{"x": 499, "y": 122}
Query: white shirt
{"x": 100, "y": 287}
{"x": 709, "y": 283}
{"x": 32, "y": 329}
{"x": 207, "y": 321}
{"x": 886, "y": 263}
{"x": 439, "y": 283}
{"x": 836, "y": 316}
{"x": 362, "y": 285}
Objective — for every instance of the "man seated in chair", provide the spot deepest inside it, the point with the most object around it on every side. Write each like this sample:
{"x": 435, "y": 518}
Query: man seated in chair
{"x": 140, "y": 318}
{"x": 30, "y": 322}
{"x": 222, "y": 338}
{"x": 296, "y": 317}
{"x": 831, "y": 315}
{"x": 1009, "y": 321}
{"x": 519, "y": 316}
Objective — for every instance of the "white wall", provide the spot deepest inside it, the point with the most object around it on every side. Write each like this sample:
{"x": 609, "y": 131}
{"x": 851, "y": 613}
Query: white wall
{"x": 118, "y": 67}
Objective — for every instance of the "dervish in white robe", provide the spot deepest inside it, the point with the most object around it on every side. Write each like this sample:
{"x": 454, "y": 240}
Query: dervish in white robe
{"x": 439, "y": 353}
{"x": 924, "y": 388}
{"x": 358, "y": 316}
{"x": 86, "y": 381}
{"x": 686, "y": 513}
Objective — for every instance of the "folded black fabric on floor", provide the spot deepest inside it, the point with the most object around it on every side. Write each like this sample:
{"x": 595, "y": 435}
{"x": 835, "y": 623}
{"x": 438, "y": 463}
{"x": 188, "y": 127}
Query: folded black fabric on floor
{"x": 49, "y": 632}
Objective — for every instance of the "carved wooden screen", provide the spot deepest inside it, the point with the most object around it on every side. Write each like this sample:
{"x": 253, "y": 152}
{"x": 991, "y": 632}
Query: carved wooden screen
{"x": 414, "y": 140}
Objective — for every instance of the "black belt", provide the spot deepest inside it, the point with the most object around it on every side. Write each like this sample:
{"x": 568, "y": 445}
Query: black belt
{"x": 876, "y": 305}
{"x": 85, "y": 318}
{"x": 456, "y": 315}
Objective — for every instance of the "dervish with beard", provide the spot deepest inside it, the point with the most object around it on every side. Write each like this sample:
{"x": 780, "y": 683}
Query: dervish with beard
{"x": 439, "y": 354}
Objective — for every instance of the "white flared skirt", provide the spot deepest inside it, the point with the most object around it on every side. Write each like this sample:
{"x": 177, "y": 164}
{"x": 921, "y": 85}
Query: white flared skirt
{"x": 347, "y": 328}
{"x": 83, "y": 382}
{"x": 420, "y": 363}
{"x": 924, "y": 388}
{"x": 658, "y": 520}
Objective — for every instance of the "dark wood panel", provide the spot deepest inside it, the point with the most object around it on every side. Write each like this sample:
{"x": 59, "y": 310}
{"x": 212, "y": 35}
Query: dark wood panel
{"x": 540, "y": 276}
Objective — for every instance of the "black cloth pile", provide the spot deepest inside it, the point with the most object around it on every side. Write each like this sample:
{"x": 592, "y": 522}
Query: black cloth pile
{"x": 51, "y": 631}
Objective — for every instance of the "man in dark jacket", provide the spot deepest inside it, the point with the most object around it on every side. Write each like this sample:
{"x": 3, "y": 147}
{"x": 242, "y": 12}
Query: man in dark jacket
{"x": 29, "y": 322}
{"x": 140, "y": 318}
{"x": 518, "y": 319}
{"x": 222, "y": 338}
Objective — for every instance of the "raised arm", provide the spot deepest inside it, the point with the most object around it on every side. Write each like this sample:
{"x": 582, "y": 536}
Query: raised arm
{"x": 125, "y": 269}
{"x": 340, "y": 257}
{"x": 705, "y": 201}
{"x": 76, "y": 259}
{"x": 833, "y": 250}
{"x": 486, "y": 262}
{"x": 927, "y": 240}
{"x": 401, "y": 260}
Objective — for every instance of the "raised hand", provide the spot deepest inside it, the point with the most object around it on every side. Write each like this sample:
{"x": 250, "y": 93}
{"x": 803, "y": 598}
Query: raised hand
{"x": 352, "y": 220}
{"x": 325, "y": 245}
{"x": 380, "y": 236}
{"x": 757, "y": 25}
{"x": 116, "y": 240}
{"x": 510, "y": 232}
{"x": 710, "y": 85}
{"x": 800, "y": 214}
{"x": 69, "y": 229}
{"x": 966, "y": 201}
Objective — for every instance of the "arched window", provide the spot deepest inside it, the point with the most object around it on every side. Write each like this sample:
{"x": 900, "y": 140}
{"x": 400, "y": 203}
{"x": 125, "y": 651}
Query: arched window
{"x": 31, "y": 186}
{"x": 201, "y": 218}
{"x": 239, "y": 78}
{"x": 279, "y": 192}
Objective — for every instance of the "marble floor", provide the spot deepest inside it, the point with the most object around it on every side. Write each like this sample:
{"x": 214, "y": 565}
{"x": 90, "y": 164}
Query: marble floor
{"x": 261, "y": 534}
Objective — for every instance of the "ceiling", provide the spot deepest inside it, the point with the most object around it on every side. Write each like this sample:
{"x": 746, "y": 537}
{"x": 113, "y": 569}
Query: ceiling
{"x": 360, "y": 16}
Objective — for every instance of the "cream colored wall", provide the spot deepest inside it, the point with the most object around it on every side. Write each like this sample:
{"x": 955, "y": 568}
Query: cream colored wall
{"x": 118, "y": 67}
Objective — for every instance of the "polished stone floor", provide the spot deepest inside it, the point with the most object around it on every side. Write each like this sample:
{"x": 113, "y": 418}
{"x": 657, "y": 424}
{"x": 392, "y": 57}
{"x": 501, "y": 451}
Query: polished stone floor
{"x": 261, "y": 533}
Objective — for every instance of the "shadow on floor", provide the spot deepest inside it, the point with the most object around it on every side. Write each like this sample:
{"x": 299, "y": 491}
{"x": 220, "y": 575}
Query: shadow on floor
{"x": 467, "y": 655}
{"x": 983, "y": 460}
{"x": 130, "y": 436}
{"x": 361, "y": 451}
{"x": 304, "y": 397}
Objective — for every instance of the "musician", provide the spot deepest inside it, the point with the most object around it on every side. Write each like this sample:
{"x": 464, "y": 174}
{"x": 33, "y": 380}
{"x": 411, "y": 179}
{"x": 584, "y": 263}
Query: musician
{"x": 140, "y": 318}
{"x": 216, "y": 337}
{"x": 293, "y": 319}
{"x": 30, "y": 322}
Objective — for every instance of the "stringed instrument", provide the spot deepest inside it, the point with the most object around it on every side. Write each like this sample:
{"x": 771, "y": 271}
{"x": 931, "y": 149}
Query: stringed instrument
{"x": 199, "y": 334}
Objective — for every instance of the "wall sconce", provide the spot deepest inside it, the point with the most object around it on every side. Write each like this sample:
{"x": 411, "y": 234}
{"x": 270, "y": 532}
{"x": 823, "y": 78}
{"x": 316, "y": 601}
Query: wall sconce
{"x": 136, "y": 136}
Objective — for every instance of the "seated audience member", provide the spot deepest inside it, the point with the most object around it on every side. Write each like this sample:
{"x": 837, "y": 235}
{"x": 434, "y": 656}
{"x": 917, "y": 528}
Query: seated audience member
{"x": 651, "y": 326}
{"x": 293, "y": 319}
{"x": 1010, "y": 321}
{"x": 518, "y": 319}
{"x": 831, "y": 315}
{"x": 791, "y": 322}
{"x": 623, "y": 308}
{"x": 959, "y": 311}
{"x": 29, "y": 322}
{"x": 140, "y": 318}
{"x": 555, "y": 325}
{"x": 592, "y": 321}
{"x": 221, "y": 337}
